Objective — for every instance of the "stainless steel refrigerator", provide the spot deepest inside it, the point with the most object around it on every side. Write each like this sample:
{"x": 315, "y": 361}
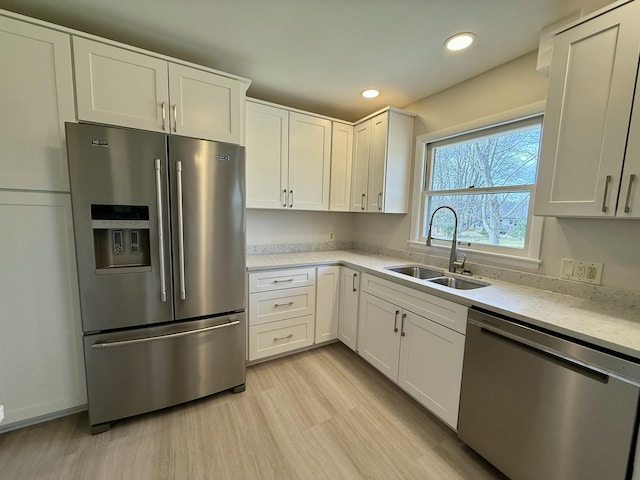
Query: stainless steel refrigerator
{"x": 160, "y": 241}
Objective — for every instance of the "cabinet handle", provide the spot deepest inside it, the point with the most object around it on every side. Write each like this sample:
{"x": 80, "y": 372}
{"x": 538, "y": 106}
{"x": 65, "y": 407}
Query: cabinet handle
{"x": 354, "y": 281}
{"x": 175, "y": 117}
{"x": 402, "y": 332}
{"x": 164, "y": 116}
{"x": 284, "y": 195}
{"x": 627, "y": 207}
{"x": 286, "y": 337}
{"x": 288, "y": 304}
{"x": 290, "y": 198}
{"x": 362, "y": 203}
{"x": 380, "y": 201}
{"x": 395, "y": 321}
{"x": 606, "y": 192}
{"x": 283, "y": 281}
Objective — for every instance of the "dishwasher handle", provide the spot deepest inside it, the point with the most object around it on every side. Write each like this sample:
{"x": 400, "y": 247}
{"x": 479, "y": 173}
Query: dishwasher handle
{"x": 549, "y": 354}
{"x": 577, "y": 355}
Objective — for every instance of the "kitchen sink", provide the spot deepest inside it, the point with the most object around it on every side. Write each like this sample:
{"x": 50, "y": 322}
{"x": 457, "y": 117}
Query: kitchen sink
{"x": 416, "y": 271}
{"x": 458, "y": 283}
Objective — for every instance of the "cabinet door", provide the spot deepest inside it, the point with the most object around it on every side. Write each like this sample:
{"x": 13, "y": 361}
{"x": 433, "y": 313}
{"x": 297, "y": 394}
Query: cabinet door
{"x": 204, "y": 105}
{"x": 267, "y": 156}
{"x": 41, "y": 366}
{"x": 327, "y": 298}
{"x": 120, "y": 87}
{"x": 341, "y": 160}
{"x": 360, "y": 170}
{"x": 36, "y": 94}
{"x": 348, "y": 313}
{"x": 431, "y": 365}
{"x": 629, "y": 200}
{"x": 591, "y": 85}
{"x": 309, "y": 162}
{"x": 379, "y": 334}
{"x": 377, "y": 162}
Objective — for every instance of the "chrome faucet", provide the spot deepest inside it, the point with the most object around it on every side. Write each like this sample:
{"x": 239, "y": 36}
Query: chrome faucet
{"x": 453, "y": 256}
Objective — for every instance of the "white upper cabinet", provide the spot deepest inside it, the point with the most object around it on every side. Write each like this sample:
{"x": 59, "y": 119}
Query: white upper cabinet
{"x": 267, "y": 156}
{"x": 341, "y": 161}
{"x": 120, "y": 87}
{"x": 117, "y": 86}
{"x": 205, "y": 105}
{"x": 382, "y": 162}
{"x": 36, "y": 94}
{"x": 582, "y": 169}
{"x": 309, "y": 162}
{"x": 288, "y": 159}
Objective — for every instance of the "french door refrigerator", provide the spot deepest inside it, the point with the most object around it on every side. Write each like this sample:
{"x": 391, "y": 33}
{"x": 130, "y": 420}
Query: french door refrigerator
{"x": 159, "y": 226}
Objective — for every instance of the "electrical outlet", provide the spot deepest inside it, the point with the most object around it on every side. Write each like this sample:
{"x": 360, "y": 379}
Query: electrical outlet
{"x": 331, "y": 237}
{"x": 581, "y": 271}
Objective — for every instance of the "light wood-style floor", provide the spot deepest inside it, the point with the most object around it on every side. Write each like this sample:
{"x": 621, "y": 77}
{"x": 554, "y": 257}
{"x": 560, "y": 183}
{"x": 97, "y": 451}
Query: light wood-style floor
{"x": 320, "y": 414}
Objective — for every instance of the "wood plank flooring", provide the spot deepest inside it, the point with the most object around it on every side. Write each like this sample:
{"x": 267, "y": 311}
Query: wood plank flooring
{"x": 320, "y": 414}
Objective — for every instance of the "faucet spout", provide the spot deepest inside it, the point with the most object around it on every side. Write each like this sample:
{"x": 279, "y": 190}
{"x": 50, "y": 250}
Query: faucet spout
{"x": 453, "y": 255}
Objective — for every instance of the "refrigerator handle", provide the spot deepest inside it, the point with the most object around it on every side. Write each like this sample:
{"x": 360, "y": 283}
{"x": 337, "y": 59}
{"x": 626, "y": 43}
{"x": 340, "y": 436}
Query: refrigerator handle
{"x": 183, "y": 293}
{"x": 163, "y": 278}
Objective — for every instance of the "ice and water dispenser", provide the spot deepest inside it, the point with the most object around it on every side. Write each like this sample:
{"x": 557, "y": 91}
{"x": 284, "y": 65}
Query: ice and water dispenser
{"x": 121, "y": 238}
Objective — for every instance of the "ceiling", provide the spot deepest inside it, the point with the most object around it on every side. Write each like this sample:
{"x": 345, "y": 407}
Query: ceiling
{"x": 318, "y": 55}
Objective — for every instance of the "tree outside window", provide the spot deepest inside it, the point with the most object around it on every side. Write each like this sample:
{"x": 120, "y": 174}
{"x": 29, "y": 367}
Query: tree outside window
{"x": 487, "y": 178}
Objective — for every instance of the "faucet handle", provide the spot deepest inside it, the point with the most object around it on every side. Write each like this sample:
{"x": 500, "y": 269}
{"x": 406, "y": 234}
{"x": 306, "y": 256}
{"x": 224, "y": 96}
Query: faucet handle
{"x": 459, "y": 264}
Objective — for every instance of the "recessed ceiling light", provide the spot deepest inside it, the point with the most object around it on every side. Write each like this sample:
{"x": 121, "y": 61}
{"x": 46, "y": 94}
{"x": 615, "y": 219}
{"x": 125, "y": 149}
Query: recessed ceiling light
{"x": 459, "y": 41}
{"x": 370, "y": 93}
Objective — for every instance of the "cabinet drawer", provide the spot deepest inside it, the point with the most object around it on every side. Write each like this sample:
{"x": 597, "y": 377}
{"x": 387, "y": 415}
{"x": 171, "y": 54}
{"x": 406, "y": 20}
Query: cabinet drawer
{"x": 444, "y": 312}
{"x": 279, "y": 337}
{"x": 267, "y": 307}
{"x": 280, "y": 279}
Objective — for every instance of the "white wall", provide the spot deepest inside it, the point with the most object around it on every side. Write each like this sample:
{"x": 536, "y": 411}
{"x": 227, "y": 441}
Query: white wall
{"x": 289, "y": 226}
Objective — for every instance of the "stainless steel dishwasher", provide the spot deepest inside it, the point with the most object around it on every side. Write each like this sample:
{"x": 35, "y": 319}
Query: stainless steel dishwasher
{"x": 539, "y": 406}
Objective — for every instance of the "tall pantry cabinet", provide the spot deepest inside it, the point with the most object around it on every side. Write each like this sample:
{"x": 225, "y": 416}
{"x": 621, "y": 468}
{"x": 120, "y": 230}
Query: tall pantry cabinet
{"x": 41, "y": 367}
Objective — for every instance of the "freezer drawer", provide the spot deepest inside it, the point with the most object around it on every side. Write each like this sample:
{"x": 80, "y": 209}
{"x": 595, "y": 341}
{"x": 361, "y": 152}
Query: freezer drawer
{"x": 146, "y": 369}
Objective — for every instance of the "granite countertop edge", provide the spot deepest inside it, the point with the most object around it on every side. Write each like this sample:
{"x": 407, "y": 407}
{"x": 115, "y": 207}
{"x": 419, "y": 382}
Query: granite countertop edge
{"x": 605, "y": 325}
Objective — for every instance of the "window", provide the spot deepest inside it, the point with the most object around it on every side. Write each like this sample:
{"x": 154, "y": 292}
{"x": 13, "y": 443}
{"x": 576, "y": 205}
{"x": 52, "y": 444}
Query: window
{"x": 487, "y": 175}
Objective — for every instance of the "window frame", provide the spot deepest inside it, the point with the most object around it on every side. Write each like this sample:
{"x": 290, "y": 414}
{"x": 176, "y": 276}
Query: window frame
{"x": 529, "y": 256}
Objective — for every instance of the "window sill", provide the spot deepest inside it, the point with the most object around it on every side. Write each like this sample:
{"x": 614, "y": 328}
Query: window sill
{"x": 478, "y": 256}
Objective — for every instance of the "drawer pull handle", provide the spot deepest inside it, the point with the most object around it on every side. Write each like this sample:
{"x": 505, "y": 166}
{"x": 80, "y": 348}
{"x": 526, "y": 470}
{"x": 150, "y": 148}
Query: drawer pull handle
{"x": 286, "y": 337}
{"x": 283, "y": 281}
{"x": 395, "y": 321}
{"x": 288, "y": 304}
{"x": 402, "y": 332}
{"x": 362, "y": 204}
{"x": 355, "y": 275}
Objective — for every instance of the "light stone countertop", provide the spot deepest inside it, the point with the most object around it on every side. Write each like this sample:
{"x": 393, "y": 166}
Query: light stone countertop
{"x": 602, "y": 324}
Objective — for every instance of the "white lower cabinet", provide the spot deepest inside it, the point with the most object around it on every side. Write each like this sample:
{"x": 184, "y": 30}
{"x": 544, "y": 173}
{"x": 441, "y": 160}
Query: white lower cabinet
{"x": 41, "y": 365}
{"x": 282, "y": 307}
{"x": 379, "y": 334}
{"x": 348, "y": 307}
{"x": 422, "y": 353}
{"x": 327, "y": 300}
{"x": 431, "y": 365}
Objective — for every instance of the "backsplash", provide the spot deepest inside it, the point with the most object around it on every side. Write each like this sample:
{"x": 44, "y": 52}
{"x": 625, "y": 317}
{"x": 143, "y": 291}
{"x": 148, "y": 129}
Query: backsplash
{"x": 597, "y": 293}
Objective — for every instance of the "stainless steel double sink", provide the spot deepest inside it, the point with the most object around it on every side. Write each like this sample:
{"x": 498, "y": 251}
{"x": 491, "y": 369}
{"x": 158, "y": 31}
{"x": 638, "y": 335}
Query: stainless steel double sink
{"x": 435, "y": 276}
